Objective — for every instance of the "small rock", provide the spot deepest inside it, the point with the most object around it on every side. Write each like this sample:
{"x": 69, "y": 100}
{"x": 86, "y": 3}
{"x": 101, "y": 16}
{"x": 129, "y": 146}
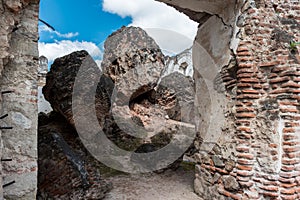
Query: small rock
{"x": 230, "y": 183}
{"x": 216, "y": 177}
{"x": 229, "y": 165}
{"x": 217, "y": 161}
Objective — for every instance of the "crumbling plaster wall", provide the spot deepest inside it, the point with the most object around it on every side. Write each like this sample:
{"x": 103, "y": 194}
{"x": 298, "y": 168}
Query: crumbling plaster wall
{"x": 18, "y": 68}
{"x": 247, "y": 93}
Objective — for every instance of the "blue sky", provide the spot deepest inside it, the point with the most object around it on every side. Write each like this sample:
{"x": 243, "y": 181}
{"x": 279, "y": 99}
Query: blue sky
{"x": 84, "y": 17}
{"x": 86, "y": 24}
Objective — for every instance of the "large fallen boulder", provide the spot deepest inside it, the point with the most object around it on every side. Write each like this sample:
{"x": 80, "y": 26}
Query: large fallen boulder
{"x": 135, "y": 105}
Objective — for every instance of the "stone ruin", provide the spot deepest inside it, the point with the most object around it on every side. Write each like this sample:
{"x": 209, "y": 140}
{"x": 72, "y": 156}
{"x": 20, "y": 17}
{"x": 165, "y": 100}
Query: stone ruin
{"x": 247, "y": 97}
{"x": 19, "y": 59}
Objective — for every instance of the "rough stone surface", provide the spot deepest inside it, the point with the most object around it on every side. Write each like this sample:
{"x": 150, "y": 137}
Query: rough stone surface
{"x": 230, "y": 183}
{"x": 66, "y": 169}
{"x": 18, "y": 69}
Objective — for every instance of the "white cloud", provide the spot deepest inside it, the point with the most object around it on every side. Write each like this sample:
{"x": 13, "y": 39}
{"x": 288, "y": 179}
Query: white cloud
{"x": 98, "y": 63}
{"x": 64, "y": 47}
{"x": 157, "y": 16}
{"x": 44, "y": 28}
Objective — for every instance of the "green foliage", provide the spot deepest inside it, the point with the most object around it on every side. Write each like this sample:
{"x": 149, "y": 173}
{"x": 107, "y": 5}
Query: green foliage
{"x": 293, "y": 45}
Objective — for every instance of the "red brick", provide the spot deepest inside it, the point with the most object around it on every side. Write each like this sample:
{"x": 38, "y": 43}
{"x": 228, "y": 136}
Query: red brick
{"x": 280, "y": 69}
{"x": 221, "y": 171}
{"x": 288, "y": 197}
{"x": 242, "y": 48}
{"x": 243, "y": 179}
{"x": 270, "y": 194}
{"x": 250, "y": 92}
{"x": 212, "y": 168}
{"x": 291, "y": 149}
{"x": 245, "y": 167}
{"x": 292, "y": 124}
{"x": 245, "y": 109}
{"x": 228, "y": 194}
{"x": 288, "y": 191}
{"x": 245, "y": 65}
{"x": 244, "y": 173}
{"x": 257, "y": 86}
{"x": 245, "y": 129}
{"x": 244, "y": 53}
{"x": 269, "y": 64}
{"x": 281, "y": 91}
{"x": 239, "y": 85}
{"x": 290, "y": 161}
{"x": 248, "y": 156}
{"x": 290, "y": 143}
{"x": 248, "y": 96}
{"x": 291, "y": 84}
{"x": 244, "y": 162}
{"x": 244, "y": 136}
{"x": 289, "y": 137}
{"x": 279, "y": 80}
{"x": 249, "y": 80}
{"x": 288, "y": 103}
{"x": 244, "y": 75}
{"x": 289, "y": 73}
{"x": 289, "y": 110}
{"x": 272, "y": 75}
{"x": 245, "y": 115}
{"x": 288, "y": 130}
{"x": 296, "y": 91}
{"x": 287, "y": 168}
{"x": 269, "y": 188}
{"x": 246, "y": 70}
{"x": 245, "y": 59}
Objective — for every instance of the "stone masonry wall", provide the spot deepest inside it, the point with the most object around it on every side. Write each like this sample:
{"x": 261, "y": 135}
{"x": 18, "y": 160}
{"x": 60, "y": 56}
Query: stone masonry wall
{"x": 267, "y": 102}
{"x": 18, "y": 68}
{"x": 247, "y": 94}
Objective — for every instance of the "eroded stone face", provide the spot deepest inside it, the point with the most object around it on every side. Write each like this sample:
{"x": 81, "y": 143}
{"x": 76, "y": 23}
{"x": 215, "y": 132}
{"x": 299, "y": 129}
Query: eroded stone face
{"x": 18, "y": 73}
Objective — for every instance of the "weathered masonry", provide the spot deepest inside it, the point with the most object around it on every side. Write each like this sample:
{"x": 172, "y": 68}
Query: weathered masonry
{"x": 18, "y": 87}
{"x": 249, "y": 123}
{"x": 246, "y": 70}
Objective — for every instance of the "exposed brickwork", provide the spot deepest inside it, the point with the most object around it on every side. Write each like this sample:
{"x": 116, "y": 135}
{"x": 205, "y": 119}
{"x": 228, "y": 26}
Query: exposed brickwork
{"x": 257, "y": 153}
{"x": 271, "y": 137}
{"x": 265, "y": 145}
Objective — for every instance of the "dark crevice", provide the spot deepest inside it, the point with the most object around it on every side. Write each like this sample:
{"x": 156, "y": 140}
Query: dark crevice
{"x": 218, "y": 16}
{"x": 200, "y": 17}
{"x": 77, "y": 163}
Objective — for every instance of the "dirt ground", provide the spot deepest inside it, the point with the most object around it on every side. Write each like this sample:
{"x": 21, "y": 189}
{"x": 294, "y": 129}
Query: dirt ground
{"x": 170, "y": 185}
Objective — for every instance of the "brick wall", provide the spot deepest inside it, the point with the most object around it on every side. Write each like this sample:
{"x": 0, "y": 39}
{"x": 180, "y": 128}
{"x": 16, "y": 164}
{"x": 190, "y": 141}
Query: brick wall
{"x": 263, "y": 159}
{"x": 267, "y": 106}
{"x": 247, "y": 98}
